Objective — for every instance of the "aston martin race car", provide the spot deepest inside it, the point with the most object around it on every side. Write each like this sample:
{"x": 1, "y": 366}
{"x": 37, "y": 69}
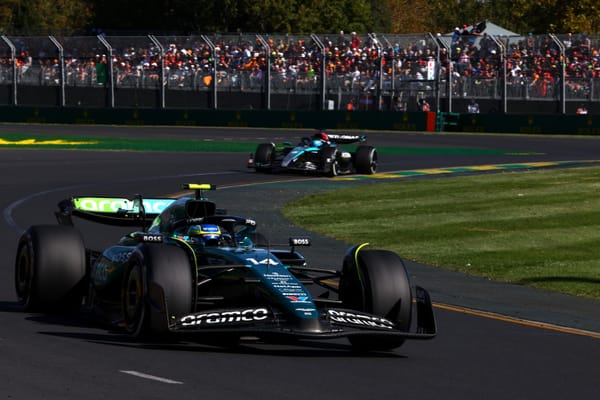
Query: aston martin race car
{"x": 192, "y": 270}
{"x": 319, "y": 154}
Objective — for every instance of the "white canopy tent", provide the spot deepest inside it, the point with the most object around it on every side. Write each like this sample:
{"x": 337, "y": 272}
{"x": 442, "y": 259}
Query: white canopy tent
{"x": 485, "y": 27}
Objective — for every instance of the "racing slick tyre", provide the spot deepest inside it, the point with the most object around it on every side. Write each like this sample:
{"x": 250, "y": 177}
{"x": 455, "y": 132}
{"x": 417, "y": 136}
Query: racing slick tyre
{"x": 329, "y": 162}
{"x": 157, "y": 286}
{"x": 263, "y": 157}
{"x": 366, "y": 160}
{"x": 376, "y": 282}
{"x": 50, "y": 268}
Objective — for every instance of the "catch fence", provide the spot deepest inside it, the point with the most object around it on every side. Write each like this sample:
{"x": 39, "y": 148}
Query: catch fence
{"x": 373, "y": 71}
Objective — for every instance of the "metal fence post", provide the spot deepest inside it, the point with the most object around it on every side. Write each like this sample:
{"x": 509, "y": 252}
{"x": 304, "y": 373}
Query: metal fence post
{"x": 323, "y": 67}
{"x": 61, "y": 59}
{"x": 267, "y": 77}
{"x": 504, "y": 72}
{"x": 109, "y": 51}
{"x": 438, "y": 44}
{"x": 563, "y": 72}
{"x": 163, "y": 81}
{"x": 213, "y": 48}
{"x": 14, "y": 68}
{"x": 375, "y": 41}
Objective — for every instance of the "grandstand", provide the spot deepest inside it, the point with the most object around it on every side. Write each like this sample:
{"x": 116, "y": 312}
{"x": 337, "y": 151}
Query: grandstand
{"x": 502, "y": 72}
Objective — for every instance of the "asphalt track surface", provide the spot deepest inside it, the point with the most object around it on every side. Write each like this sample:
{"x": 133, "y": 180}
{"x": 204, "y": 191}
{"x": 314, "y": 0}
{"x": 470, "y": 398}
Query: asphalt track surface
{"x": 495, "y": 341}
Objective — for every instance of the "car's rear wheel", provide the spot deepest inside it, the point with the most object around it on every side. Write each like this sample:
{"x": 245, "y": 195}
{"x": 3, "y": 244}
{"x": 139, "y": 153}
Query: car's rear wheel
{"x": 376, "y": 282}
{"x": 157, "y": 287}
{"x": 263, "y": 157}
{"x": 50, "y": 268}
{"x": 366, "y": 160}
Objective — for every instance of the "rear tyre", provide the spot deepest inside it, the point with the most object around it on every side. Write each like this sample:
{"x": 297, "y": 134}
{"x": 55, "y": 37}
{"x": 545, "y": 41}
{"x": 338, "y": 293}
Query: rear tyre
{"x": 157, "y": 287}
{"x": 263, "y": 157}
{"x": 50, "y": 268}
{"x": 376, "y": 282}
{"x": 366, "y": 160}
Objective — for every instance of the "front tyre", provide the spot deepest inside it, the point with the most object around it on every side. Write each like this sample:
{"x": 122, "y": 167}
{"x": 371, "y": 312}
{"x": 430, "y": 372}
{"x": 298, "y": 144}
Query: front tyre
{"x": 329, "y": 162}
{"x": 50, "y": 268}
{"x": 157, "y": 288}
{"x": 376, "y": 282}
{"x": 366, "y": 160}
{"x": 264, "y": 157}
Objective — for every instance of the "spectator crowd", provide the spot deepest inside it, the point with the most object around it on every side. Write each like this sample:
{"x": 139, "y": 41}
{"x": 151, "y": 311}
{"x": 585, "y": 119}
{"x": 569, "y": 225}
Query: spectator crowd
{"x": 474, "y": 62}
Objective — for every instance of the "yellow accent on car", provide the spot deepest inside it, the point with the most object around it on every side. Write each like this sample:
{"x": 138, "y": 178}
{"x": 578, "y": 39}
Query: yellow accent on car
{"x": 356, "y": 260}
{"x": 199, "y": 186}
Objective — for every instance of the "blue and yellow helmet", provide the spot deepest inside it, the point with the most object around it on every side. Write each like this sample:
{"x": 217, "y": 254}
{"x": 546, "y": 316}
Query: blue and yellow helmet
{"x": 207, "y": 233}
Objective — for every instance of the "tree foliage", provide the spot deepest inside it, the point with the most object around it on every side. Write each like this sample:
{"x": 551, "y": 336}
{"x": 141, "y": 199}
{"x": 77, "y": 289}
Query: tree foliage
{"x": 33, "y": 17}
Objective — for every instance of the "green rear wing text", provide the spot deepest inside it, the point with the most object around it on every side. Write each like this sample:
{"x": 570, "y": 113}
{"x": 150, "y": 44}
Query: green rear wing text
{"x": 112, "y": 210}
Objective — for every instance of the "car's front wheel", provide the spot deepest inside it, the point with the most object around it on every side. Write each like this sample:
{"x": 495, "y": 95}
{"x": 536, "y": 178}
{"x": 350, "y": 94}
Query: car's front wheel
{"x": 376, "y": 282}
{"x": 263, "y": 157}
{"x": 157, "y": 287}
{"x": 329, "y": 161}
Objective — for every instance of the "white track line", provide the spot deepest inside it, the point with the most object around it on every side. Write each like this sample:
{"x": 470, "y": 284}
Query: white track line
{"x": 151, "y": 377}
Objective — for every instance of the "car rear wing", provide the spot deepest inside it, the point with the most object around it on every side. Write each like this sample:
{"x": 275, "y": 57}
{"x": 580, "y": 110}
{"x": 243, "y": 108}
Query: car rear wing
{"x": 112, "y": 210}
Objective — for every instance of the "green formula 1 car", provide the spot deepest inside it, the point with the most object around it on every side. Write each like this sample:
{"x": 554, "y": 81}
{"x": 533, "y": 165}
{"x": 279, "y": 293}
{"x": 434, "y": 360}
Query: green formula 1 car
{"x": 190, "y": 269}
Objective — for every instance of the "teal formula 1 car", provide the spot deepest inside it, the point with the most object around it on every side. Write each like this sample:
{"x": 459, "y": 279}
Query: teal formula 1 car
{"x": 321, "y": 154}
{"x": 190, "y": 269}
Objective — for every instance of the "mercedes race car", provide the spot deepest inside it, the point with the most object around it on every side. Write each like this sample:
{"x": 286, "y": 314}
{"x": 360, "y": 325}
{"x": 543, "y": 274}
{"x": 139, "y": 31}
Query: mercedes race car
{"x": 320, "y": 154}
{"x": 192, "y": 270}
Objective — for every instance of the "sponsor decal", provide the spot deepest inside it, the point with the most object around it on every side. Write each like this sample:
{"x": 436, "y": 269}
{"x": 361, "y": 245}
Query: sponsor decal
{"x": 357, "y": 319}
{"x": 118, "y": 254}
{"x": 288, "y": 286}
{"x": 225, "y": 317}
{"x": 113, "y": 205}
{"x": 298, "y": 299}
{"x": 101, "y": 272}
{"x": 266, "y": 261}
{"x": 152, "y": 238}
{"x": 343, "y": 137}
{"x": 299, "y": 241}
{"x": 210, "y": 228}
{"x": 307, "y": 311}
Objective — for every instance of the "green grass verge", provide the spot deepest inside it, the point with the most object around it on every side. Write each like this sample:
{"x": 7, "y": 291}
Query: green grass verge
{"x": 539, "y": 228}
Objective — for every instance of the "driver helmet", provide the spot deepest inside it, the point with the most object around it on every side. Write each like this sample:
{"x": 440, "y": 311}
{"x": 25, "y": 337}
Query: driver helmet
{"x": 208, "y": 234}
{"x": 320, "y": 138}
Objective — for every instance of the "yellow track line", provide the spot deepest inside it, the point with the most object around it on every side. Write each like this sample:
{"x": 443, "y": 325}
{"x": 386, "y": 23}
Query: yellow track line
{"x": 519, "y": 321}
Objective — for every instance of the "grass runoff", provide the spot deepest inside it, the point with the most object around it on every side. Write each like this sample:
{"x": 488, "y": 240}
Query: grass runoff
{"x": 539, "y": 228}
